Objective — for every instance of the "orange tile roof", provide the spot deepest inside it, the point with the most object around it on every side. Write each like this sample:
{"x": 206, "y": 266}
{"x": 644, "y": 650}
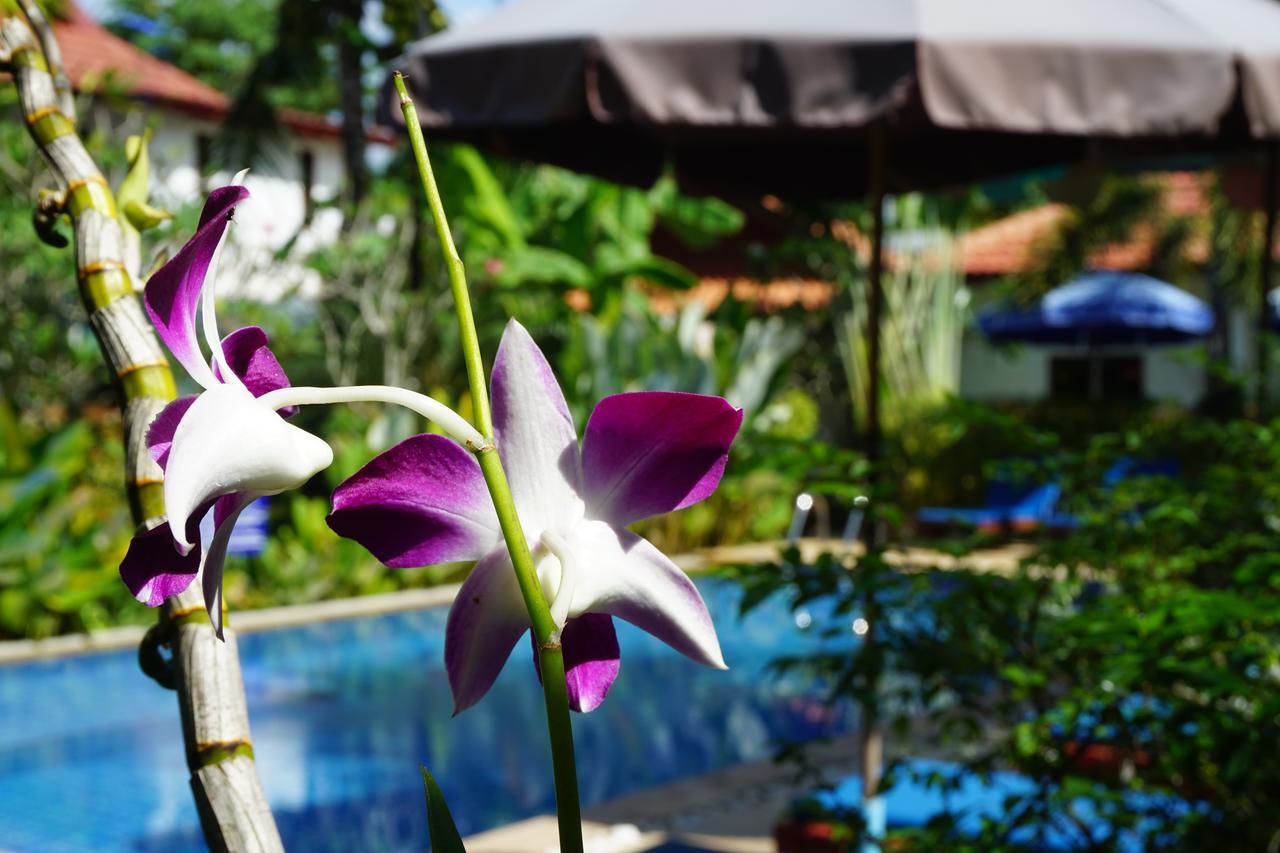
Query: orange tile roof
{"x": 767, "y": 296}
{"x": 1012, "y": 245}
{"x": 96, "y": 58}
{"x": 1009, "y": 245}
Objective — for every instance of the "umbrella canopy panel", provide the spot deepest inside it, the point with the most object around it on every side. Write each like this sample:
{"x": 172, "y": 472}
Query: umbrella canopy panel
{"x": 1104, "y": 308}
{"x": 778, "y": 96}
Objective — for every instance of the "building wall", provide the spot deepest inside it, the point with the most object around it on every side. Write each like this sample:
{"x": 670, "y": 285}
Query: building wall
{"x": 274, "y": 215}
{"x": 1021, "y": 373}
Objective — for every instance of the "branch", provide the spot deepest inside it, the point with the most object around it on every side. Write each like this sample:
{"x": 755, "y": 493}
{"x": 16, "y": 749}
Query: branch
{"x": 52, "y": 56}
{"x": 215, "y": 720}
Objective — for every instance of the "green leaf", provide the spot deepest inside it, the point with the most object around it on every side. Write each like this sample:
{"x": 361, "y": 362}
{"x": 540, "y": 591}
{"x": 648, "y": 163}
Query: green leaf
{"x": 696, "y": 221}
{"x": 143, "y": 216}
{"x": 487, "y": 202}
{"x": 444, "y": 834}
{"x": 540, "y": 265}
{"x": 1025, "y": 739}
{"x": 652, "y": 269}
{"x": 135, "y": 186}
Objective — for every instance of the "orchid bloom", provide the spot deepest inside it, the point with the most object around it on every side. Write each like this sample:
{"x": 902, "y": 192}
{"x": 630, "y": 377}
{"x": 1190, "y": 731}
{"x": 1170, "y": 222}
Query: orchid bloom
{"x": 223, "y": 447}
{"x": 424, "y": 501}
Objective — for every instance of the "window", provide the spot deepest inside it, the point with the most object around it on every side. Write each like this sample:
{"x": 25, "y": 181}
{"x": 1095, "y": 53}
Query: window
{"x": 204, "y": 156}
{"x": 1097, "y": 376}
{"x": 308, "y": 183}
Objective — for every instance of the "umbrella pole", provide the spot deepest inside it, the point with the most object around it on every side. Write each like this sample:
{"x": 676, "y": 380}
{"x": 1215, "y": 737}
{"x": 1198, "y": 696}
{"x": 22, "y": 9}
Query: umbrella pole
{"x": 1265, "y": 271}
{"x": 875, "y": 290}
{"x": 872, "y": 735}
{"x": 1095, "y": 375}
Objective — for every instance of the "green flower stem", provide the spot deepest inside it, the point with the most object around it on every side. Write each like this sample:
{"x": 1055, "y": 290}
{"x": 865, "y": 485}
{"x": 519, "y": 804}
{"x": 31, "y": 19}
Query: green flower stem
{"x": 495, "y": 477}
{"x": 453, "y": 261}
{"x": 550, "y": 655}
{"x": 556, "y": 695}
{"x": 545, "y": 631}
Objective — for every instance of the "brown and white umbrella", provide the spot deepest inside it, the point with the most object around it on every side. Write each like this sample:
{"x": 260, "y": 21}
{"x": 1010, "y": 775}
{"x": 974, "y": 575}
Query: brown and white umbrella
{"x": 779, "y": 96}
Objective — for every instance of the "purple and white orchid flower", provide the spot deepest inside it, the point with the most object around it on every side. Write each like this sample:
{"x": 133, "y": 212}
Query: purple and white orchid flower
{"x": 424, "y": 501}
{"x": 229, "y": 444}
{"x": 223, "y": 447}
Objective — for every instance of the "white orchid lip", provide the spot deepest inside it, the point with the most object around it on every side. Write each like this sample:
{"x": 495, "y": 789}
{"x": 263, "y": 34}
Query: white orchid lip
{"x": 562, "y": 601}
{"x": 230, "y": 441}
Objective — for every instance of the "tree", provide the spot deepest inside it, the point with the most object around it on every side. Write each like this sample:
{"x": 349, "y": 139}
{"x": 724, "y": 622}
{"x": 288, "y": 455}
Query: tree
{"x": 314, "y": 55}
{"x": 217, "y": 42}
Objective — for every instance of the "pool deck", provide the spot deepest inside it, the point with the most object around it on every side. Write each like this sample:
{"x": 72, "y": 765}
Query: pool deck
{"x": 729, "y": 811}
{"x": 1001, "y": 560}
{"x": 732, "y": 810}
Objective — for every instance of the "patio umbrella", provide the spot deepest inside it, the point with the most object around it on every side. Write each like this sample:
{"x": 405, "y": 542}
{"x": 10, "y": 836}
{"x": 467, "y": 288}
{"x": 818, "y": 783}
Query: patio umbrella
{"x": 777, "y": 97}
{"x": 1101, "y": 309}
{"x": 841, "y": 98}
{"x": 1104, "y": 308}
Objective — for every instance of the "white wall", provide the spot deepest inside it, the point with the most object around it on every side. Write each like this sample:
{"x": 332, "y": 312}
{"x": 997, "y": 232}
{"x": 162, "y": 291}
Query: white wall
{"x": 1176, "y": 374}
{"x": 988, "y": 373}
{"x": 273, "y": 215}
{"x": 1021, "y": 373}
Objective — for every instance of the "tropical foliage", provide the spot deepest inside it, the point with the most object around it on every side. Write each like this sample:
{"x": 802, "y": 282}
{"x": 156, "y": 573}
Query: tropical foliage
{"x": 1126, "y": 670}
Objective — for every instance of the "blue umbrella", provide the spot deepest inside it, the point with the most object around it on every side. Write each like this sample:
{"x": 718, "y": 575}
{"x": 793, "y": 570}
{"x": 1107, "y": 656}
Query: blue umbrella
{"x": 1103, "y": 308}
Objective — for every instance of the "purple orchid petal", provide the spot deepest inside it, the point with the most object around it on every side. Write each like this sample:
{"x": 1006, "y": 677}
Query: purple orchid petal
{"x": 249, "y": 357}
{"x": 229, "y": 505}
{"x": 535, "y": 434}
{"x": 152, "y": 568}
{"x": 173, "y": 293}
{"x": 165, "y": 424}
{"x": 591, "y": 659}
{"x": 652, "y": 452}
{"x": 422, "y": 502}
{"x": 225, "y": 512}
{"x": 485, "y": 623}
{"x": 629, "y": 578}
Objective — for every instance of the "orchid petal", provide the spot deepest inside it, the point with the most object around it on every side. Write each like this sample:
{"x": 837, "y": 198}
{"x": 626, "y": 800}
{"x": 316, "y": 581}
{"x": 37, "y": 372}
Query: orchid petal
{"x": 422, "y": 502}
{"x": 535, "y": 434}
{"x": 633, "y": 580}
{"x": 228, "y": 442}
{"x": 163, "y": 426}
{"x": 591, "y": 659}
{"x": 173, "y": 293}
{"x": 250, "y": 358}
{"x": 485, "y": 623}
{"x": 209, "y": 313}
{"x": 225, "y": 512}
{"x": 153, "y": 570}
{"x": 651, "y": 452}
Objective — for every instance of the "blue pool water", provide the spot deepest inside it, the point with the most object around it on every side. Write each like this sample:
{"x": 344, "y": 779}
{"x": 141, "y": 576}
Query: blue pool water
{"x": 344, "y": 712}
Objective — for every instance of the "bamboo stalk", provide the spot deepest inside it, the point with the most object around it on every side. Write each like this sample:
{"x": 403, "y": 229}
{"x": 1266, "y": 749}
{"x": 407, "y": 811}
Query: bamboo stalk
{"x": 206, "y": 673}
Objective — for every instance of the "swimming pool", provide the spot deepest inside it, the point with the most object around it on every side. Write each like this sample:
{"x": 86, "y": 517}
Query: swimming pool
{"x": 344, "y": 712}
